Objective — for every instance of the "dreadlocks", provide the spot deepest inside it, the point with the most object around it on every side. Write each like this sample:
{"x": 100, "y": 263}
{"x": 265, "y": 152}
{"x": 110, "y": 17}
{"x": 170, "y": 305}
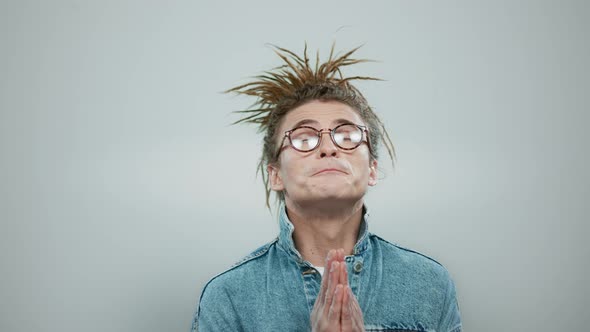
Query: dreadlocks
{"x": 295, "y": 83}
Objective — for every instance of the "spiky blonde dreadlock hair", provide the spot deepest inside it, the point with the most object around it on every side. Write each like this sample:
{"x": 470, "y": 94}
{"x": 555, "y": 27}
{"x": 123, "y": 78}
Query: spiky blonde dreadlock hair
{"x": 295, "y": 83}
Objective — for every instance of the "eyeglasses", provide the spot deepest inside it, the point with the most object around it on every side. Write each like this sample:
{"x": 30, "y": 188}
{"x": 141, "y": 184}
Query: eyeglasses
{"x": 347, "y": 136}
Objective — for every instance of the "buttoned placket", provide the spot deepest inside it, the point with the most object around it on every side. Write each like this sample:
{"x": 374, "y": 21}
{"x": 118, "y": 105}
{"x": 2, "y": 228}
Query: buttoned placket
{"x": 311, "y": 277}
{"x": 354, "y": 265}
{"x": 312, "y": 281}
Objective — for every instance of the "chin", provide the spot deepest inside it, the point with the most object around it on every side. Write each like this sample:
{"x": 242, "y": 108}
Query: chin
{"x": 335, "y": 195}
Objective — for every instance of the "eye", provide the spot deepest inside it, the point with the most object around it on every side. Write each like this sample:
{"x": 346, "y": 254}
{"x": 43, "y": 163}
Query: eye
{"x": 348, "y": 136}
{"x": 304, "y": 138}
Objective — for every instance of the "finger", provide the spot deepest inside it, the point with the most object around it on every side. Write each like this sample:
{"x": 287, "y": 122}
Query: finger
{"x": 346, "y": 316}
{"x": 325, "y": 278}
{"x": 357, "y": 323}
{"x": 354, "y": 304}
{"x": 336, "y": 307}
{"x": 332, "y": 255}
{"x": 332, "y": 283}
{"x": 356, "y": 314}
{"x": 343, "y": 275}
{"x": 341, "y": 255}
{"x": 343, "y": 270}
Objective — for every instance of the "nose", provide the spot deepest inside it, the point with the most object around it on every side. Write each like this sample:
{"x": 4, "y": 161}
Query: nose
{"x": 327, "y": 147}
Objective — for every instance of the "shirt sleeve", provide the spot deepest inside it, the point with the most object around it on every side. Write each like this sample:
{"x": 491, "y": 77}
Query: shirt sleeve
{"x": 451, "y": 317}
{"x": 215, "y": 311}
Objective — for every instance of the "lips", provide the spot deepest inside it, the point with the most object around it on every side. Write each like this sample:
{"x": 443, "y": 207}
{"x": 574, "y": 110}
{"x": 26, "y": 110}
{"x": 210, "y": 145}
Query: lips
{"x": 329, "y": 170}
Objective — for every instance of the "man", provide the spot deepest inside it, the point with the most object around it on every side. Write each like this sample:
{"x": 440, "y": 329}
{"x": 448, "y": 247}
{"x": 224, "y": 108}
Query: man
{"x": 325, "y": 271}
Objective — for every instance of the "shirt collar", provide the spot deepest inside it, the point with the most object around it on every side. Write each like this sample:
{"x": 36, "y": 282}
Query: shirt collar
{"x": 286, "y": 229}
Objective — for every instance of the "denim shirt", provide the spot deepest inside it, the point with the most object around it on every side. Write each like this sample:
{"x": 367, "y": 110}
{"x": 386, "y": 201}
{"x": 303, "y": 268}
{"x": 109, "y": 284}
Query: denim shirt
{"x": 274, "y": 288}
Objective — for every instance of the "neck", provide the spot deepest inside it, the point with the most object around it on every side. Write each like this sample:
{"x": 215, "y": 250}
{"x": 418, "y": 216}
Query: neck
{"x": 317, "y": 230}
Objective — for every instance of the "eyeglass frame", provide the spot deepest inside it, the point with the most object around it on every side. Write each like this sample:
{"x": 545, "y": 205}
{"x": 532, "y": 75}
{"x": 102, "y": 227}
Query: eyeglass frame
{"x": 320, "y": 133}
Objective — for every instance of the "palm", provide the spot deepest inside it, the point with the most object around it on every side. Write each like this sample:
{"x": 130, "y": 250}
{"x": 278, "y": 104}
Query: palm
{"x": 336, "y": 308}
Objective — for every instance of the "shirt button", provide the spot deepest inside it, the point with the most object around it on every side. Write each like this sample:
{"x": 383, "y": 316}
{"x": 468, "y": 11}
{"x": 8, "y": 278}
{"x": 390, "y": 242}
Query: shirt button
{"x": 358, "y": 266}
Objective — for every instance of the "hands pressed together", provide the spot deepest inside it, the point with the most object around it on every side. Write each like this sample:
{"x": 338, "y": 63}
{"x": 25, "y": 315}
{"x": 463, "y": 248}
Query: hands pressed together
{"x": 336, "y": 307}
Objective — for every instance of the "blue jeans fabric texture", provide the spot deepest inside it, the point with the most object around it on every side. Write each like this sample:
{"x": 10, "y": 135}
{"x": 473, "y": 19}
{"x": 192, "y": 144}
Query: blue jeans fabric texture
{"x": 274, "y": 288}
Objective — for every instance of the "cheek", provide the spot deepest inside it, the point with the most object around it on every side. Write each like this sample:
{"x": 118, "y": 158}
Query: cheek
{"x": 362, "y": 166}
{"x": 292, "y": 172}
{"x": 293, "y": 166}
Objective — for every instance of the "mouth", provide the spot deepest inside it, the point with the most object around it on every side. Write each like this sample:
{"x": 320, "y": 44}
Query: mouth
{"x": 330, "y": 171}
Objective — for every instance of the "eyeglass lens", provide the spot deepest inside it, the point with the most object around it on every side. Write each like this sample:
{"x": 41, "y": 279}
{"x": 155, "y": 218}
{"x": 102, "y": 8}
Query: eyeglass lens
{"x": 344, "y": 136}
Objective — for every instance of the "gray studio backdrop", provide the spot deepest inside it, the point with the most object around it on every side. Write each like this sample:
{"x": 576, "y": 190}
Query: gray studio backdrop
{"x": 124, "y": 189}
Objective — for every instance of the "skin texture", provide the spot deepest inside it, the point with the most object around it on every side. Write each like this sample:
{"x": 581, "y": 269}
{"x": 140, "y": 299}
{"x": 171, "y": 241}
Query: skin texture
{"x": 296, "y": 174}
{"x": 325, "y": 208}
{"x": 324, "y": 195}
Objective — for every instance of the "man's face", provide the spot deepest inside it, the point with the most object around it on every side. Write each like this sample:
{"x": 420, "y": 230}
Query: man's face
{"x": 327, "y": 174}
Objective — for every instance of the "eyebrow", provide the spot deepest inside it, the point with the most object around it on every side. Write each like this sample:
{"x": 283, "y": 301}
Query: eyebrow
{"x": 311, "y": 121}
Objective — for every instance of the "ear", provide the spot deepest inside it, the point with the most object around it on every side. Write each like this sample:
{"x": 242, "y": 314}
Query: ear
{"x": 274, "y": 178}
{"x": 373, "y": 172}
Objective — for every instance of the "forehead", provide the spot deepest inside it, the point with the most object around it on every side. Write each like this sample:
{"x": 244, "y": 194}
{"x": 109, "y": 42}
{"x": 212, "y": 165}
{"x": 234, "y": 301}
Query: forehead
{"x": 324, "y": 114}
